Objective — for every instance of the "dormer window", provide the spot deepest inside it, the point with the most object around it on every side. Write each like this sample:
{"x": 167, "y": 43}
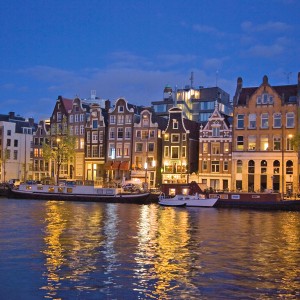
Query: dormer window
{"x": 265, "y": 98}
{"x": 121, "y": 109}
{"x": 175, "y": 124}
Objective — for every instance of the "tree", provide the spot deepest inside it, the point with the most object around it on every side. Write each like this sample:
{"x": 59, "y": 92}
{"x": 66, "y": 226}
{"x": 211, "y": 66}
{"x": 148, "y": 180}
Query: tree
{"x": 60, "y": 148}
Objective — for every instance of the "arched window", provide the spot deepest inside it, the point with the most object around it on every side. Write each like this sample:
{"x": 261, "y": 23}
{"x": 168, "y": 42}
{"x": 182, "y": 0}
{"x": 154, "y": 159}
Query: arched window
{"x": 263, "y": 166}
{"x": 239, "y": 166}
{"x": 276, "y": 167}
{"x": 289, "y": 167}
{"x": 251, "y": 167}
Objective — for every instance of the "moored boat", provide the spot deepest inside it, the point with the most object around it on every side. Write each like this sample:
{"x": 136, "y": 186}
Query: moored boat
{"x": 72, "y": 192}
{"x": 189, "y": 200}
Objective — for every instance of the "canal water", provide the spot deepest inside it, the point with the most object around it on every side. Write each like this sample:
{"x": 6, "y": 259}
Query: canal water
{"x": 74, "y": 250}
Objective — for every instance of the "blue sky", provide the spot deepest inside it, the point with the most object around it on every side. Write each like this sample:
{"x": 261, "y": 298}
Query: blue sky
{"x": 132, "y": 49}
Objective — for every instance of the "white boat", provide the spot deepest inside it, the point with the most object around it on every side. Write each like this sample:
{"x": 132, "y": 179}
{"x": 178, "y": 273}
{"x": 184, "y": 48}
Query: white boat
{"x": 188, "y": 200}
{"x": 73, "y": 192}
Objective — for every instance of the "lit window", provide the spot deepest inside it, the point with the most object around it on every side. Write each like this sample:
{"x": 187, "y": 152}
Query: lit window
{"x": 215, "y": 166}
{"x": 277, "y": 143}
{"x": 175, "y": 152}
{"x": 264, "y": 143}
{"x": 252, "y": 142}
{"x": 240, "y": 143}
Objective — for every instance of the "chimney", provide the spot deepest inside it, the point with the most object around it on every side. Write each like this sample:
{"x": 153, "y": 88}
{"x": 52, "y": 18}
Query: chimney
{"x": 11, "y": 115}
{"x": 239, "y": 86}
{"x": 107, "y": 105}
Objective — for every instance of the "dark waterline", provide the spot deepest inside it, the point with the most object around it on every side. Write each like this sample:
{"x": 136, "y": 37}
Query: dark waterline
{"x": 73, "y": 250}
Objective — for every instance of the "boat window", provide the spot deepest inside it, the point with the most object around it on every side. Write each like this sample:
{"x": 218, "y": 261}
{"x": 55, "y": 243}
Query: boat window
{"x": 51, "y": 189}
{"x": 28, "y": 187}
{"x": 60, "y": 189}
{"x": 69, "y": 190}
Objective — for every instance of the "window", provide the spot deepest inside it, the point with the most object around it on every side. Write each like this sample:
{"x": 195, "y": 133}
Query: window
{"x": 215, "y": 166}
{"x": 76, "y": 130}
{"x": 76, "y": 118}
{"x": 95, "y": 136}
{"x": 183, "y": 151}
{"x": 145, "y": 134}
{"x": 138, "y": 147}
{"x": 71, "y": 118}
{"x": 88, "y": 137}
{"x": 216, "y": 131}
{"x": 264, "y": 143}
{"x": 88, "y": 151}
{"x": 127, "y": 133}
{"x": 175, "y": 152}
{"x": 205, "y": 147}
{"x": 128, "y": 119}
{"x": 277, "y": 143}
{"x": 175, "y": 138}
{"x": 119, "y": 150}
{"x": 240, "y": 121}
{"x": 121, "y": 109}
{"x": 175, "y": 124}
{"x": 239, "y": 166}
{"x": 258, "y": 100}
{"x": 277, "y": 120}
{"x": 120, "y": 133}
{"x": 8, "y": 132}
{"x": 126, "y": 149}
{"x": 81, "y": 117}
{"x": 81, "y": 129}
{"x": 58, "y": 117}
{"x": 166, "y": 136}
{"x": 265, "y": 120}
{"x": 15, "y": 143}
{"x": 95, "y": 152}
{"x": 95, "y": 124}
{"x": 138, "y": 134}
{"x": 263, "y": 167}
{"x": 120, "y": 119}
{"x": 290, "y": 120}
{"x": 240, "y": 143}
{"x": 150, "y": 147}
{"x": 8, "y": 142}
{"x": 204, "y": 165}
{"x": 111, "y": 133}
{"x": 252, "y": 121}
{"x": 166, "y": 151}
{"x": 112, "y": 151}
{"x": 289, "y": 144}
{"x": 112, "y": 119}
{"x": 289, "y": 167}
{"x": 251, "y": 167}
{"x": 15, "y": 154}
{"x": 215, "y": 148}
{"x": 225, "y": 165}
{"x": 145, "y": 121}
{"x": 226, "y": 147}
{"x": 252, "y": 142}
{"x": 276, "y": 167}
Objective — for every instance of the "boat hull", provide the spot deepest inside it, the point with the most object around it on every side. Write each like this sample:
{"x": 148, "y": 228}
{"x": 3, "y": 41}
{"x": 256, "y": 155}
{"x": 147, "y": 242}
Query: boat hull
{"x": 189, "y": 201}
{"x": 138, "y": 198}
{"x": 175, "y": 203}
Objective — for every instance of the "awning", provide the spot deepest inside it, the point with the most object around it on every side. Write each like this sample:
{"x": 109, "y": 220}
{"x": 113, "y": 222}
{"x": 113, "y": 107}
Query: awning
{"x": 107, "y": 165}
{"x": 115, "y": 165}
{"x": 124, "y": 166}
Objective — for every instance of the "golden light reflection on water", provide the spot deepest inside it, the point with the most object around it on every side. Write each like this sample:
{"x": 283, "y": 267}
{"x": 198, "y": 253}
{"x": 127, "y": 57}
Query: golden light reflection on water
{"x": 162, "y": 249}
{"x": 71, "y": 241}
{"x": 162, "y": 252}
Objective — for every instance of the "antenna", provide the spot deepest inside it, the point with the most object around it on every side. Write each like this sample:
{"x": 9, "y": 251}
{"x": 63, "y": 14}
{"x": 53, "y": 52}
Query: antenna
{"x": 288, "y": 74}
{"x": 192, "y": 79}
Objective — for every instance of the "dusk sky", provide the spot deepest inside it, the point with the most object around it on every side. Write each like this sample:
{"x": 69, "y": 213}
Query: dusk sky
{"x": 132, "y": 49}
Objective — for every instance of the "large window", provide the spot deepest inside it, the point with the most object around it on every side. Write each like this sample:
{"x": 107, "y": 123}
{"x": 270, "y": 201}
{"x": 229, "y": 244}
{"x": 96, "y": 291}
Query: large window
{"x": 240, "y": 143}
{"x": 290, "y": 120}
{"x": 251, "y": 167}
{"x": 252, "y": 121}
{"x": 264, "y": 143}
{"x": 175, "y": 152}
{"x": 204, "y": 165}
{"x": 120, "y": 133}
{"x": 289, "y": 144}
{"x": 240, "y": 121}
{"x": 166, "y": 151}
{"x": 175, "y": 138}
{"x": 239, "y": 166}
{"x": 215, "y": 166}
{"x": 138, "y": 147}
{"x": 277, "y": 143}
{"x": 277, "y": 120}
{"x": 265, "y": 120}
{"x": 225, "y": 165}
{"x": 216, "y": 131}
{"x": 263, "y": 166}
{"x": 252, "y": 142}
{"x": 215, "y": 148}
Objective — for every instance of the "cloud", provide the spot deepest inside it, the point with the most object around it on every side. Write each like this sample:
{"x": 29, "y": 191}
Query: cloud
{"x": 267, "y": 51}
{"x": 273, "y": 27}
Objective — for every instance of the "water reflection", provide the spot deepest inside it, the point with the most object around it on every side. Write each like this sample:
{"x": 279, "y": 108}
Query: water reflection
{"x": 115, "y": 251}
